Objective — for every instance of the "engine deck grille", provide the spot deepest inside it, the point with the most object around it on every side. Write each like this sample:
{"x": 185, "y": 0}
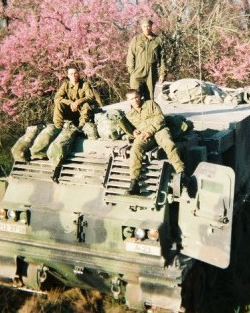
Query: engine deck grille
{"x": 118, "y": 183}
{"x": 84, "y": 168}
{"x": 37, "y": 169}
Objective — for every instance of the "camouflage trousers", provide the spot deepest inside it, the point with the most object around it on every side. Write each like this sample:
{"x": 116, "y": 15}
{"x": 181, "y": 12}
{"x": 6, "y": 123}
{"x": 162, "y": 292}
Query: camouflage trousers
{"x": 63, "y": 112}
{"x": 161, "y": 138}
{"x": 145, "y": 85}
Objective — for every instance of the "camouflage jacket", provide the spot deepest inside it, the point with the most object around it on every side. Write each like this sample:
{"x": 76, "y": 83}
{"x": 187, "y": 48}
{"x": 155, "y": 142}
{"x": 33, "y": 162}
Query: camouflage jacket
{"x": 149, "y": 119}
{"x": 79, "y": 93}
{"x": 144, "y": 54}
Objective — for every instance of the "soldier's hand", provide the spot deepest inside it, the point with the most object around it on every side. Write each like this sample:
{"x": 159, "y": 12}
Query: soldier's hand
{"x": 161, "y": 79}
{"x": 146, "y": 136}
{"x": 136, "y": 133}
{"x": 74, "y": 107}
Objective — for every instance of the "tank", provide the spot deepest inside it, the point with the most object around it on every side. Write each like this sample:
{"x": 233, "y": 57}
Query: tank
{"x": 177, "y": 248}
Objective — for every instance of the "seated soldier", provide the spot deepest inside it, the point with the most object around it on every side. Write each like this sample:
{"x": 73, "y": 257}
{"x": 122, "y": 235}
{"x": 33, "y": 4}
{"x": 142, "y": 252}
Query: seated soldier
{"x": 74, "y": 101}
{"x": 146, "y": 124}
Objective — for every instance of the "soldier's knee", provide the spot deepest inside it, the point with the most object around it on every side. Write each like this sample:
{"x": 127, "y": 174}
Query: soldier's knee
{"x": 60, "y": 106}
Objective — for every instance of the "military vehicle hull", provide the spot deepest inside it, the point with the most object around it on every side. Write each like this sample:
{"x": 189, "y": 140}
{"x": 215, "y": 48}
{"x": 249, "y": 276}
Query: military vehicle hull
{"x": 76, "y": 225}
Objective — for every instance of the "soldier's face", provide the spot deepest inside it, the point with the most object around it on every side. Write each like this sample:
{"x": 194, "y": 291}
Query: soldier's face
{"x": 73, "y": 75}
{"x": 146, "y": 28}
{"x": 134, "y": 100}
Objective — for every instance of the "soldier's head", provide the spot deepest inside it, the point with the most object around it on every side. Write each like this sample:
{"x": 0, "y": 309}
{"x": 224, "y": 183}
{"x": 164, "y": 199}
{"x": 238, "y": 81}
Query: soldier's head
{"x": 73, "y": 74}
{"x": 146, "y": 26}
{"x": 134, "y": 98}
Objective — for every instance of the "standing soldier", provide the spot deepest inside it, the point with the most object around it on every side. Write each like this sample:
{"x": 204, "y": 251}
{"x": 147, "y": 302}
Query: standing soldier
{"x": 146, "y": 60}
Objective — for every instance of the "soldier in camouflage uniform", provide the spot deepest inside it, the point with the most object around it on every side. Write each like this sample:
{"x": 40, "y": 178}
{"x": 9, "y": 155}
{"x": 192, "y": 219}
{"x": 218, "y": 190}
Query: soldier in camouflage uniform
{"x": 74, "y": 101}
{"x": 146, "y": 60}
{"x": 145, "y": 123}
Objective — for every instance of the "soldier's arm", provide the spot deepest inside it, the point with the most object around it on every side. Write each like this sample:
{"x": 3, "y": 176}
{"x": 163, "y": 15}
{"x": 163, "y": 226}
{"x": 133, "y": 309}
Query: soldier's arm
{"x": 86, "y": 95}
{"x": 157, "y": 120}
{"x": 126, "y": 126}
{"x": 162, "y": 62}
{"x": 130, "y": 61}
{"x": 61, "y": 95}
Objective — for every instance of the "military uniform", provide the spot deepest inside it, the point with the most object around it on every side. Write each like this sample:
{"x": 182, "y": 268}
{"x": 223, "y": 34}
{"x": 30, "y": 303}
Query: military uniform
{"x": 68, "y": 93}
{"x": 145, "y": 59}
{"x": 150, "y": 119}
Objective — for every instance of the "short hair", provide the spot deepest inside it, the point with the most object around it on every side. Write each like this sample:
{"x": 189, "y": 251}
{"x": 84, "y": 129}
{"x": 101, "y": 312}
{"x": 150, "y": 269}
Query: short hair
{"x": 73, "y": 67}
{"x": 146, "y": 20}
{"x": 132, "y": 91}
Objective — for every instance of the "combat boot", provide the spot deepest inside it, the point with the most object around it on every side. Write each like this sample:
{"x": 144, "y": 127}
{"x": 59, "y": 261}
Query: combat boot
{"x": 184, "y": 179}
{"x": 134, "y": 188}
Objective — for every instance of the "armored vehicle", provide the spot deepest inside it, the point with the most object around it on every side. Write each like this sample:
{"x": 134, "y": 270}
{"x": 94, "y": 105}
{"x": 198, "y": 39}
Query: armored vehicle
{"x": 179, "y": 248}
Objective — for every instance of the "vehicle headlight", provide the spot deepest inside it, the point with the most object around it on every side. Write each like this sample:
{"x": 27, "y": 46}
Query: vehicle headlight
{"x": 128, "y": 232}
{"x": 153, "y": 234}
{"x": 23, "y": 217}
{"x": 12, "y": 214}
{"x": 140, "y": 233}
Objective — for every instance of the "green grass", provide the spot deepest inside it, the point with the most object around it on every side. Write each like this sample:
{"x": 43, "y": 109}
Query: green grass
{"x": 6, "y": 160}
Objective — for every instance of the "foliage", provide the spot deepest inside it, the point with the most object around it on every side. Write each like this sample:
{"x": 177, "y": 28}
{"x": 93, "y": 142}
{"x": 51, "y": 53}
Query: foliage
{"x": 207, "y": 39}
{"x": 44, "y": 37}
{"x": 10, "y": 300}
{"x": 72, "y": 300}
{"x": 8, "y": 136}
{"x": 225, "y": 43}
{"x": 233, "y": 67}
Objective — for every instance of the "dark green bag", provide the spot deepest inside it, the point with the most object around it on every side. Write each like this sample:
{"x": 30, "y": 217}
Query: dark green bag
{"x": 107, "y": 124}
{"x": 42, "y": 142}
{"x": 178, "y": 125}
{"x": 61, "y": 146}
{"x": 20, "y": 150}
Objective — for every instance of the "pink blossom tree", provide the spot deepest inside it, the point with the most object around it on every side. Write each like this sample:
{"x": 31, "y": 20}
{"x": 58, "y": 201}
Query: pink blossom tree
{"x": 232, "y": 65}
{"x": 45, "y": 36}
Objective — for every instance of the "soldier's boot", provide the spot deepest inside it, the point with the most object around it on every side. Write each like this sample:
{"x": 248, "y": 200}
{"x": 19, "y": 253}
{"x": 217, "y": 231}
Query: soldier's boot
{"x": 180, "y": 181}
{"x": 90, "y": 130}
{"x": 134, "y": 188}
{"x": 190, "y": 183}
{"x": 185, "y": 179}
